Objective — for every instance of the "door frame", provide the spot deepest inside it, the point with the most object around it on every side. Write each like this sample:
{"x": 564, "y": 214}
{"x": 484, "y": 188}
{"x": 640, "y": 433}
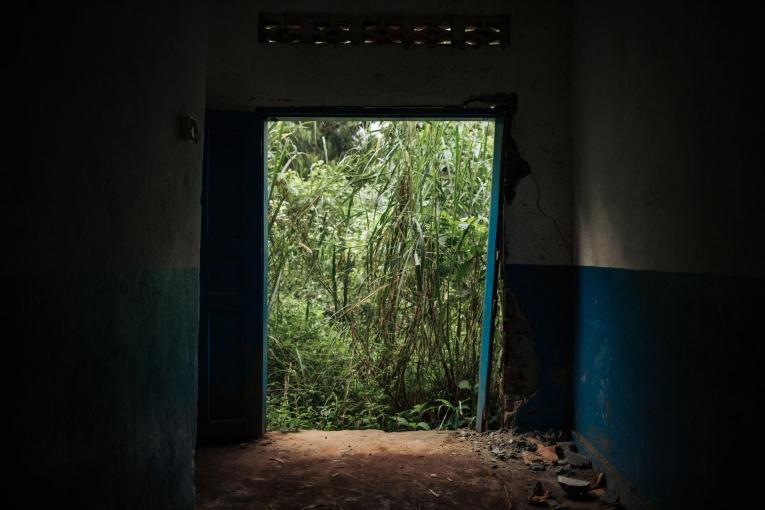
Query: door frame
{"x": 498, "y": 115}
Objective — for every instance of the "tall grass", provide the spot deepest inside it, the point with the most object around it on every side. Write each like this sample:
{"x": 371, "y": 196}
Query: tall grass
{"x": 377, "y": 240}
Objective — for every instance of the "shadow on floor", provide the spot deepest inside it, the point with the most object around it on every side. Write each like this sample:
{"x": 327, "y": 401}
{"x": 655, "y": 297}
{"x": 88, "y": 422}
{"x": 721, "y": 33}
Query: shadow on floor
{"x": 365, "y": 469}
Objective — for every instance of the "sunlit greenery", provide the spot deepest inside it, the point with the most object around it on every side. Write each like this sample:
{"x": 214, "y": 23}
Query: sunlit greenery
{"x": 377, "y": 241}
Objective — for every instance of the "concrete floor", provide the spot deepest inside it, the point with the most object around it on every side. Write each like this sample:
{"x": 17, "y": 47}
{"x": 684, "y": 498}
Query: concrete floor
{"x": 367, "y": 469}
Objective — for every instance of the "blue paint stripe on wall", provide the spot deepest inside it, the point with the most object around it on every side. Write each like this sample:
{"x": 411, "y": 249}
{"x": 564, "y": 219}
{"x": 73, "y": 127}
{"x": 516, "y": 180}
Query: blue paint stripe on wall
{"x": 544, "y": 295}
{"x": 103, "y": 395}
{"x": 666, "y": 371}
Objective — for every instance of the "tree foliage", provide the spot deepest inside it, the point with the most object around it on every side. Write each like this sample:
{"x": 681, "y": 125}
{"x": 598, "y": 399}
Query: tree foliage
{"x": 377, "y": 238}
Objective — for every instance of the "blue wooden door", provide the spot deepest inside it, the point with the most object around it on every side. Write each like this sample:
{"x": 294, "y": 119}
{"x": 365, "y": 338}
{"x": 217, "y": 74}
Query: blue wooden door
{"x": 232, "y": 324}
{"x": 490, "y": 285}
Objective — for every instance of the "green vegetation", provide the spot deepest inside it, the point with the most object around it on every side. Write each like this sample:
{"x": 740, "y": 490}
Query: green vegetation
{"x": 377, "y": 241}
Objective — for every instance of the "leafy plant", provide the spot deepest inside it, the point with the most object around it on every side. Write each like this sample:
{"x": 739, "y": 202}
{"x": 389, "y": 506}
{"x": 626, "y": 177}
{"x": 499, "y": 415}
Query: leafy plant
{"x": 413, "y": 418}
{"x": 377, "y": 238}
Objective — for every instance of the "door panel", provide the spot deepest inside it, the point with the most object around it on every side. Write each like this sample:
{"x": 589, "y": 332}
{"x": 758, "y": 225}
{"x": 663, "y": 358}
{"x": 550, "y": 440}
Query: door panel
{"x": 232, "y": 279}
{"x": 227, "y": 367}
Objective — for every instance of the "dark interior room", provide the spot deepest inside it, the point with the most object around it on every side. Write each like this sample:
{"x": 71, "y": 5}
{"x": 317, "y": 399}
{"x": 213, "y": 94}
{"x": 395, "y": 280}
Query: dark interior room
{"x": 196, "y": 217}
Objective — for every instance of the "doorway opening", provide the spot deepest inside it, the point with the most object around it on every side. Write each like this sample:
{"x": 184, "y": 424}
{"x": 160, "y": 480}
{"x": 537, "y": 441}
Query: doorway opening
{"x": 377, "y": 234}
{"x": 338, "y": 245}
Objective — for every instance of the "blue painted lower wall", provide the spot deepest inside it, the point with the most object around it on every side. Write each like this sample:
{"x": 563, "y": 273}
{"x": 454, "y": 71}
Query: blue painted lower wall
{"x": 667, "y": 377}
{"x": 103, "y": 387}
{"x": 665, "y": 369}
{"x": 544, "y": 295}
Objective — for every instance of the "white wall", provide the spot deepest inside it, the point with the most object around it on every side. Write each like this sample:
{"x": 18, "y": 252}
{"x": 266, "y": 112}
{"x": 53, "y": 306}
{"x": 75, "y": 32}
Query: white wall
{"x": 102, "y": 163}
{"x": 668, "y": 119}
{"x": 244, "y": 74}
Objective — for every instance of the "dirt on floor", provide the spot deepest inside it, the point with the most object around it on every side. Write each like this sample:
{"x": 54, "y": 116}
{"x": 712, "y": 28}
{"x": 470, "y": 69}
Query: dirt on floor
{"x": 371, "y": 469}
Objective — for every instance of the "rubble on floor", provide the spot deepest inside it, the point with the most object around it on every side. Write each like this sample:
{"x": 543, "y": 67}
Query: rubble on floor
{"x": 539, "y": 496}
{"x": 414, "y": 470}
{"x": 574, "y": 487}
{"x": 546, "y": 451}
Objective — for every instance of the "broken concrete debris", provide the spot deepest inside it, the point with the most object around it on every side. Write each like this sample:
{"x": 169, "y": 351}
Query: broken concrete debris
{"x": 574, "y": 487}
{"x": 599, "y": 482}
{"x": 577, "y": 460}
{"x": 539, "y": 451}
{"x": 536, "y": 449}
{"x": 539, "y": 495}
{"x": 548, "y": 453}
{"x": 530, "y": 458}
